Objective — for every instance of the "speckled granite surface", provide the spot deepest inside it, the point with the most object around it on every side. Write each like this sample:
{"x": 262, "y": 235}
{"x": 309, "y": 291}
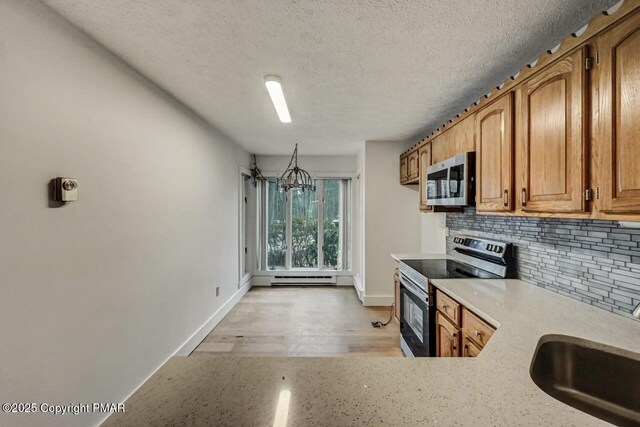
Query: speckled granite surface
{"x": 493, "y": 389}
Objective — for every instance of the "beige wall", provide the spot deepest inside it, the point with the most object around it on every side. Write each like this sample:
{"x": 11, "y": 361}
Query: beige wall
{"x": 432, "y": 238}
{"x": 392, "y": 220}
{"x": 312, "y": 164}
{"x": 98, "y": 293}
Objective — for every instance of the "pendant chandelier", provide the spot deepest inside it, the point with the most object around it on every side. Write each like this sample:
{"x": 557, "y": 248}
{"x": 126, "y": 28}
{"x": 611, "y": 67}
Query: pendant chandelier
{"x": 256, "y": 173}
{"x": 295, "y": 178}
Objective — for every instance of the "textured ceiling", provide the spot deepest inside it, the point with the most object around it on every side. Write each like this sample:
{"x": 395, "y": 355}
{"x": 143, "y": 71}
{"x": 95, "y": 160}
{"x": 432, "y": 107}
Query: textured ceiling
{"x": 351, "y": 70}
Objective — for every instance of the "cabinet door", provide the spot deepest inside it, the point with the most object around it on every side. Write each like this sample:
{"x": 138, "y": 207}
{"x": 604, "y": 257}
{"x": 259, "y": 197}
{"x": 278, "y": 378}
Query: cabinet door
{"x": 463, "y": 135}
{"x": 616, "y": 102}
{"x": 447, "y": 337}
{"x": 495, "y": 165}
{"x": 424, "y": 155}
{"x": 404, "y": 170}
{"x": 469, "y": 348}
{"x": 438, "y": 152}
{"x": 476, "y": 328}
{"x": 413, "y": 165}
{"x": 552, "y": 138}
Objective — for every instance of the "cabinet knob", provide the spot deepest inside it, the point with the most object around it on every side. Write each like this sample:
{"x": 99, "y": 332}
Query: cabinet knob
{"x": 478, "y": 334}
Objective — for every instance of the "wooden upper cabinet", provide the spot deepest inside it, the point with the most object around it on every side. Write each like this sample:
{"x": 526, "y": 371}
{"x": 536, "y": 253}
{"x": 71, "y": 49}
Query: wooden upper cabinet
{"x": 455, "y": 140}
{"x": 424, "y": 156}
{"x": 447, "y": 337}
{"x": 463, "y": 136}
{"x": 551, "y": 138}
{"x": 616, "y": 119}
{"x": 438, "y": 149}
{"x": 413, "y": 166}
{"x": 494, "y": 162}
{"x": 404, "y": 169}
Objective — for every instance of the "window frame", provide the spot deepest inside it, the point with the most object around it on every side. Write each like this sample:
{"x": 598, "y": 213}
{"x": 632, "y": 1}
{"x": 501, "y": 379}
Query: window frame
{"x": 346, "y": 229}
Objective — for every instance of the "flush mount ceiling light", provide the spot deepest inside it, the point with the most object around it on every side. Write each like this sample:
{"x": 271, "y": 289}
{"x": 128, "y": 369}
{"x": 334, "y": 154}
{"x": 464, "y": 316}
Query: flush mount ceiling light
{"x": 274, "y": 87}
{"x": 295, "y": 178}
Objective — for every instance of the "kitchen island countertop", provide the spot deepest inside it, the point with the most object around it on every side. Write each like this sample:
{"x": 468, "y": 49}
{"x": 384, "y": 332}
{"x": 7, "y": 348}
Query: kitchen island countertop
{"x": 492, "y": 389}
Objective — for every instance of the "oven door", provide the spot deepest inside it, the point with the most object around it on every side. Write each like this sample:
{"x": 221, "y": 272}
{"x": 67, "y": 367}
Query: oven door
{"x": 415, "y": 321}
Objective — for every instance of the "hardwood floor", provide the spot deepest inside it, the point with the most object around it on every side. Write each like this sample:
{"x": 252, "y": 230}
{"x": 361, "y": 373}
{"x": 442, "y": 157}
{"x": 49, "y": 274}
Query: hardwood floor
{"x": 302, "y": 321}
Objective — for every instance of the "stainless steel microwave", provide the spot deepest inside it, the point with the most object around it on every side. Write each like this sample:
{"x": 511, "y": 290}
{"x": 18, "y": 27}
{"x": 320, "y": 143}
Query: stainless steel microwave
{"x": 452, "y": 181}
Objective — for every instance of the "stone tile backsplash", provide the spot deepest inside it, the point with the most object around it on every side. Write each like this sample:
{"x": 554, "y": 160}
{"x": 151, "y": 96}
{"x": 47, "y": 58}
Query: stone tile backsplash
{"x": 597, "y": 262}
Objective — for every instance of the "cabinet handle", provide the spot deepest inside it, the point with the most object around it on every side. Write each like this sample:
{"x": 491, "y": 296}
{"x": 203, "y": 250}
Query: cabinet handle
{"x": 505, "y": 198}
{"x": 465, "y": 351}
{"x": 444, "y": 306}
{"x": 454, "y": 340}
{"x": 523, "y": 197}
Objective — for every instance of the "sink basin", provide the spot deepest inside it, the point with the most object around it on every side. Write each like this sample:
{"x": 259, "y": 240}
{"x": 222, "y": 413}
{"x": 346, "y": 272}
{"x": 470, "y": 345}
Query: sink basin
{"x": 600, "y": 380}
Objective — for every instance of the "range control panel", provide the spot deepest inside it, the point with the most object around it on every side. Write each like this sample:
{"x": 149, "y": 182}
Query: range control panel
{"x": 489, "y": 247}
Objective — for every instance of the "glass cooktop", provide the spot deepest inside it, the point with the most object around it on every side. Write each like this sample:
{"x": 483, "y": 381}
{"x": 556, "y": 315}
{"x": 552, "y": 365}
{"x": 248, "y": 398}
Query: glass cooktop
{"x": 447, "y": 269}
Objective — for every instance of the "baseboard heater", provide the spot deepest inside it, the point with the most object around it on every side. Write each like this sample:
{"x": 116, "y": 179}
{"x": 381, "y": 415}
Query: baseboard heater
{"x": 290, "y": 279}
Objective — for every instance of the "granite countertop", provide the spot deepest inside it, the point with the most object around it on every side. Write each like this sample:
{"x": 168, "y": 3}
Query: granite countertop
{"x": 400, "y": 257}
{"x": 492, "y": 389}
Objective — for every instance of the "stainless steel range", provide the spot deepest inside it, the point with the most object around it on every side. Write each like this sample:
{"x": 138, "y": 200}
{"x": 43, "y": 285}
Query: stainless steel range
{"x": 474, "y": 258}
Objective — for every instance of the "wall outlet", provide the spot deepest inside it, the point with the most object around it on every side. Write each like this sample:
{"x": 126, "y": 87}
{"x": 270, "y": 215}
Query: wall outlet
{"x": 217, "y": 291}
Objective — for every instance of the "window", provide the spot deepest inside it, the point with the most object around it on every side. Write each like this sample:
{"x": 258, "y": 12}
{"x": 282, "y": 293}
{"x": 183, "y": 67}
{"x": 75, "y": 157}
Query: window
{"x": 306, "y": 230}
{"x": 276, "y": 227}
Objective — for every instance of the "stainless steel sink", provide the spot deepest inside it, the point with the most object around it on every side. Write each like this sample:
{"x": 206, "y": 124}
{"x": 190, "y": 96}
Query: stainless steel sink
{"x": 600, "y": 380}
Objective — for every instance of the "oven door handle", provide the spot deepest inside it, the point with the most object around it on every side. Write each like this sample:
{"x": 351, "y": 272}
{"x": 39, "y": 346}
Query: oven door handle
{"x": 415, "y": 291}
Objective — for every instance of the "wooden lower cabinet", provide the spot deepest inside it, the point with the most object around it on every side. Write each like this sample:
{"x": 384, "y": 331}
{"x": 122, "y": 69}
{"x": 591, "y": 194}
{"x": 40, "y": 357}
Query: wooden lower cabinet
{"x": 476, "y": 328}
{"x": 448, "y": 306}
{"x": 467, "y": 340}
{"x": 469, "y": 348}
{"x": 447, "y": 337}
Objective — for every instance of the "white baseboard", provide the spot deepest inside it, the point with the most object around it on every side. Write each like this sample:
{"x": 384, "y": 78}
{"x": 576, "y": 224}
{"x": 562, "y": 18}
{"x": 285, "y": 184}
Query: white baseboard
{"x": 378, "y": 300}
{"x": 192, "y": 342}
{"x": 344, "y": 280}
{"x": 261, "y": 280}
{"x": 357, "y": 283}
{"x": 265, "y": 280}
{"x": 202, "y": 332}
